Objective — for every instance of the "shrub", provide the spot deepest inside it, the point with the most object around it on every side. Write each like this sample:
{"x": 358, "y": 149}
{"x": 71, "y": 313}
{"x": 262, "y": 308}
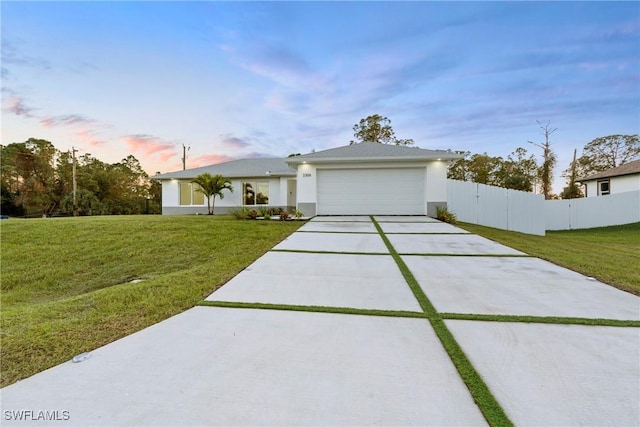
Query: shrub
{"x": 252, "y": 214}
{"x": 284, "y": 215}
{"x": 240, "y": 213}
{"x": 298, "y": 214}
{"x": 275, "y": 211}
{"x": 444, "y": 215}
{"x": 263, "y": 211}
{"x": 267, "y": 215}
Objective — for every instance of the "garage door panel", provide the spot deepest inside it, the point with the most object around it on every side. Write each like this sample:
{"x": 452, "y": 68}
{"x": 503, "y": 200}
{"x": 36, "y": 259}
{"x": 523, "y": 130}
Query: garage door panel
{"x": 371, "y": 191}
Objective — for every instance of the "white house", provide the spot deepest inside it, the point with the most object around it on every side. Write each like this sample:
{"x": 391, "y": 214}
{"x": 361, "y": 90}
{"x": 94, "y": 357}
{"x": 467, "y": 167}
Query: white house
{"x": 359, "y": 179}
{"x": 620, "y": 179}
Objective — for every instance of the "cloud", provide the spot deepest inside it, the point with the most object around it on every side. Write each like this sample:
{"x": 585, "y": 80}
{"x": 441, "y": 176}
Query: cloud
{"x": 151, "y": 146}
{"x": 234, "y": 142}
{"x": 11, "y": 56}
{"x": 16, "y": 105}
{"x": 89, "y": 137}
{"x": 208, "y": 159}
{"x": 66, "y": 120}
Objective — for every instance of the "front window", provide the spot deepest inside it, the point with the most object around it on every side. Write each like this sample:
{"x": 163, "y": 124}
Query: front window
{"x": 189, "y": 194}
{"x": 255, "y": 193}
{"x": 604, "y": 187}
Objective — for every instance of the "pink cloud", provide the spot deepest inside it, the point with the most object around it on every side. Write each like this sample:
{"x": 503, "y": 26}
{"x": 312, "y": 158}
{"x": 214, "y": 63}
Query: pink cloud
{"x": 207, "y": 159}
{"x": 88, "y": 137}
{"x": 151, "y": 146}
{"x": 66, "y": 120}
{"x": 16, "y": 105}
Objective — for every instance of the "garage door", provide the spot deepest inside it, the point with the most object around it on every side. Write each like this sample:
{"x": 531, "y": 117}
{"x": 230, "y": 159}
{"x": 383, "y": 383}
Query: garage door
{"x": 371, "y": 192}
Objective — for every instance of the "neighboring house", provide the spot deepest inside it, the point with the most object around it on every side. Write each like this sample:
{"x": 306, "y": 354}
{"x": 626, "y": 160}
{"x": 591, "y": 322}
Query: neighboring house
{"x": 359, "y": 179}
{"x": 620, "y": 179}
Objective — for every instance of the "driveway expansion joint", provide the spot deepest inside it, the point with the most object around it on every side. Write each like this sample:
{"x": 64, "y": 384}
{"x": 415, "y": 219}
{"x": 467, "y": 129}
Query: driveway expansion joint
{"x": 485, "y": 400}
{"x": 302, "y": 251}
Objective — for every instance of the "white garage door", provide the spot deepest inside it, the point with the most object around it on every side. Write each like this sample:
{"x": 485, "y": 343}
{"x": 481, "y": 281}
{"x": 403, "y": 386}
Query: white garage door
{"x": 371, "y": 192}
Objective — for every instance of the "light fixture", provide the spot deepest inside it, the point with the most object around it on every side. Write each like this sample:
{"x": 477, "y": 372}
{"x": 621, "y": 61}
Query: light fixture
{"x": 81, "y": 357}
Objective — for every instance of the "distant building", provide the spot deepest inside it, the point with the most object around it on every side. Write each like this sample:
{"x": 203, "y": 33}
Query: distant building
{"x": 613, "y": 181}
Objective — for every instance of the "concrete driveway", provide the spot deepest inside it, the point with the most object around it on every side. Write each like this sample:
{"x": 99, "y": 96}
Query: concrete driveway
{"x": 326, "y": 330}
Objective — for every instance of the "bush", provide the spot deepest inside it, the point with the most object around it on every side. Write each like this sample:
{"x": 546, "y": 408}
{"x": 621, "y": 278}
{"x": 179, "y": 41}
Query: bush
{"x": 275, "y": 211}
{"x": 264, "y": 211}
{"x": 444, "y": 215}
{"x": 240, "y": 213}
{"x": 253, "y": 214}
{"x": 284, "y": 215}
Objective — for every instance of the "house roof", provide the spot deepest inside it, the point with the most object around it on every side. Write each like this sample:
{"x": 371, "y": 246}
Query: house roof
{"x": 243, "y": 168}
{"x": 276, "y": 167}
{"x": 630, "y": 168}
{"x": 372, "y": 151}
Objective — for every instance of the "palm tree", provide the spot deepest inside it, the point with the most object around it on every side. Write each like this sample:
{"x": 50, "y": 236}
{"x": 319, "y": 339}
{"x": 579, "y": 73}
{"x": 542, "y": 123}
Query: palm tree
{"x": 212, "y": 186}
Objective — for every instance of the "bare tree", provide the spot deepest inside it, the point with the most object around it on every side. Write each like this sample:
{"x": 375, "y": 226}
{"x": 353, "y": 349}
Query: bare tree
{"x": 572, "y": 190}
{"x": 546, "y": 170}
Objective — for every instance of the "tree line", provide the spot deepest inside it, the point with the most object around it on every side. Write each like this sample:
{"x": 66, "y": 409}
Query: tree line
{"x": 37, "y": 179}
{"x": 520, "y": 170}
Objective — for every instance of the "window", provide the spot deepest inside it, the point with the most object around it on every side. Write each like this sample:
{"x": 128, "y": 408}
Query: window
{"x": 185, "y": 194}
{"x": 189, "y": 195}
{"x": 255, "y": 193}
{"x": 604, "y": 187}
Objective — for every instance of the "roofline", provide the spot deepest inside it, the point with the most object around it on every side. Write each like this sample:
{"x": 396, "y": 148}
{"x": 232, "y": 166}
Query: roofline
{"x": 161, "y": 177}
{"x": 596, "y": 178}
{"x": 429, "y": 157}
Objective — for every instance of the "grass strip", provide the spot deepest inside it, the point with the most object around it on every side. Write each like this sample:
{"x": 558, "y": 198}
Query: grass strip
{"x": 427, "y": 233}
{"x": 303, "y": 251}
{"x": 313, "y": 309}
{"x": 487, "y": 403}
{"x": 541, "y": 319}
{"x": 424, "y": 302}
{"x": 336, "y": 232}
{"x": 466, "y": 255}
{"x": 489, "y": 406}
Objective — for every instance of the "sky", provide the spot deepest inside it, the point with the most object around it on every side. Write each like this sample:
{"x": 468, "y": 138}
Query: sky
{"x": 235, "y": 80}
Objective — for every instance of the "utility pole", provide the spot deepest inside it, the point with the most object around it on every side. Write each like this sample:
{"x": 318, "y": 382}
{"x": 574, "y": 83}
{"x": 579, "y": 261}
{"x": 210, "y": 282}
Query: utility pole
{"x": 75, "y": 184}
{"x": 184, "y": 156}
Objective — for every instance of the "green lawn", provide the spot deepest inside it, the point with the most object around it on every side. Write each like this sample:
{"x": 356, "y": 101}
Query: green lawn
{"x": 65, "y": 290}
{"x": 610, "y": 254}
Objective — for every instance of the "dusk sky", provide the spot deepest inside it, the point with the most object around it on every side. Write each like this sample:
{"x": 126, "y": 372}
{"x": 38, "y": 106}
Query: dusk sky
{"x": 254, "y": 79}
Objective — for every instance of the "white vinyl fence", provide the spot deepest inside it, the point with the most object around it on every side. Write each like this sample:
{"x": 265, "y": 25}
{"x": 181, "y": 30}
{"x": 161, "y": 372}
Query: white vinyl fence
{"x": 529, "y": 213}
{"x": 496, "y": 207}
{"x": 589, "y": 212}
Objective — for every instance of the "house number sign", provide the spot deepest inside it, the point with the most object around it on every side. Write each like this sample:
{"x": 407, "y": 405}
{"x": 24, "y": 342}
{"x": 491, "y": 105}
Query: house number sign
{"x": 306, "y": 175}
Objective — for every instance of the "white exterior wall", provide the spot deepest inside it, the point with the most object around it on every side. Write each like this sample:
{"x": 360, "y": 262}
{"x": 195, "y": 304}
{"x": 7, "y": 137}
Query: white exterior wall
{"x": 171, "y": 195}
{"x": 617, "y": 184}
{"x": 307, "y": 179}
{"x": 436, "y": 185}
{"x": 170, "y": 192}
